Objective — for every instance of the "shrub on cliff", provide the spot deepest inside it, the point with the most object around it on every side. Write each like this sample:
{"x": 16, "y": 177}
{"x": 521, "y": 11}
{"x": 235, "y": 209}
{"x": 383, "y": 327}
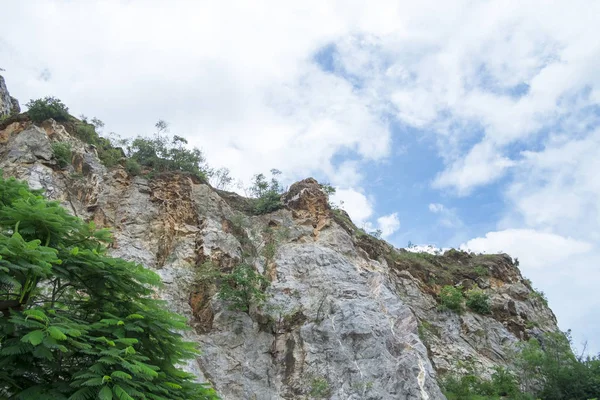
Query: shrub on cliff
{"x": 62, "y": 153}
{"x": 161, "y": 153}
{"x": 451, "y": 298}
{"x": 242, "y": 287}
{"x": 544, "y": 368}
{"x": 77, "y": 323}
{"x": 108, "y": 153}
{"x": 478, "y": 301}
{"x": 49, "y": 107}
{"x": 267, "y": 193}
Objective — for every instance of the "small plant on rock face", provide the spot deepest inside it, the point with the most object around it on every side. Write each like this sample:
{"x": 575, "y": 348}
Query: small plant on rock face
{"x": 451, "y": 298}
{"x": 62, "y": 153}
{"x": 49, "y": 107}
{"x": 478, "y": 301}
{"x": 132, "y": 167}
{"x": 319, "y": 388}
{"x": 267, "y": 193}
{"x": 242, "y": 287}
{"x": 481, "y": 271}
{"x": 539, "y": 295}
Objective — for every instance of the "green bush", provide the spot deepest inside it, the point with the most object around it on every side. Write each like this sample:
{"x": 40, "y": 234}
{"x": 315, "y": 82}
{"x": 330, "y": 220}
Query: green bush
{"x": 62, "y": 153}
{"x": 478, "y": 301}
{"x": 550, "y": 371}
{"x": 242, "y": 287}
{"x": 162, "y": 153}
{"x": 87, "y": 133}
{"x": 503, "y": 384}
{"x": 267, "y": 193}
{"x": 480, "y": 270}
{"x": 110, "y": 156}
{"x": 78, "y": 323}
{"x": 132, "y": 167}
{"x": 49, "y": 107}
{"x": 451, "y": 298}
{"x": 267, "y": 203}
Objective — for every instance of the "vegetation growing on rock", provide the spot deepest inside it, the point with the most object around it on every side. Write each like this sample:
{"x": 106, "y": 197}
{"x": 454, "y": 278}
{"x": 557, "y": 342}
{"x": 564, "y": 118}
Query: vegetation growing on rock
{"x": 62, "y": 153}
{"x": 266, "y": 192}
{"x": 478, "y": 301}
{"x": 544, "y": 368}
{"x": 49, "y": 107}
{"x": 77, "y": 323}
{"x": 451, "y": 298}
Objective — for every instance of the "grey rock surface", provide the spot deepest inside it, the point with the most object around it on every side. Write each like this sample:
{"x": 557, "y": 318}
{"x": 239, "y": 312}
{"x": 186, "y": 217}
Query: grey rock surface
{"x": 6, "y": 104}
{"x": 339, "y": 322}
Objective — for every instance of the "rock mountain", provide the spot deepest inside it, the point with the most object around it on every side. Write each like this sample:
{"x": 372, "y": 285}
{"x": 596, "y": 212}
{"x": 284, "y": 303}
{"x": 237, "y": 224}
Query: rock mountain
{"x": 347, "y": 315}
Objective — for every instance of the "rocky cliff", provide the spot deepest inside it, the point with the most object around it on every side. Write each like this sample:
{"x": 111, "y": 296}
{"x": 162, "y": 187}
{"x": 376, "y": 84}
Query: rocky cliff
{"x": 8, "y": 105}
{"x": 347, "y": 316}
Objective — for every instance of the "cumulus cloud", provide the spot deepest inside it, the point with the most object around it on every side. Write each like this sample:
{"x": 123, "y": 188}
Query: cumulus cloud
{"x": 253, "y": 99}
{"x": 355, "y": 203}
{"x": 502, "y": 88}
{"x": 483, "y": 164}
{"x": 447, "y": 217}
{"x": 361, "y": 209}
{"x": 388, "y": 224}
{"x": 534, "y": 249}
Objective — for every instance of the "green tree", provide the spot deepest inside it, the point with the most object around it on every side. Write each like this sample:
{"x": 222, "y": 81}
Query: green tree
{"x": 77, "y": 323}
{"x": 162, "y": 153}
{"x": 267, "y": 192}
{"x": 549, "y": 367}
{"x": 49, "y": 107}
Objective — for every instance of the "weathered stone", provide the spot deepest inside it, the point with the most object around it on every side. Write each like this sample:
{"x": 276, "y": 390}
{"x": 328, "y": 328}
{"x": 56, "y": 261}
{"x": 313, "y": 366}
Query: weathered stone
{"x": 6, "y": 102}
{"x": 341, "y": 313}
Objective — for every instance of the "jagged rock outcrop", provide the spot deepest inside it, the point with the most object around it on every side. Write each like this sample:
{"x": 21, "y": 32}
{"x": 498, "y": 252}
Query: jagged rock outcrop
{"x": 8, "y": 105}
{"x": 347, "y": 316}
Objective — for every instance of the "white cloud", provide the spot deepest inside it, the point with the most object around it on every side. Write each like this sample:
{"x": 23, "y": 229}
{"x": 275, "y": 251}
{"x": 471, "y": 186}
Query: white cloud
{"x": 448, "y": 217}
{"x": 436, "y": 208}
{"x": 253, "y": 99}
{"x": 482, "y": 165}
{"x": 360, "y": 209}
{"x": 239, "y": 79}
{"x": 558, "y": 187}
{"x": 534, "y": 249}
{"x": 388, "y": 224}
{"x": 356, "y": 204}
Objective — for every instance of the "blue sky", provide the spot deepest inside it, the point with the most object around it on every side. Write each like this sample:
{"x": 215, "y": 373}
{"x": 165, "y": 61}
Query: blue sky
{"x": 470, "y": 124}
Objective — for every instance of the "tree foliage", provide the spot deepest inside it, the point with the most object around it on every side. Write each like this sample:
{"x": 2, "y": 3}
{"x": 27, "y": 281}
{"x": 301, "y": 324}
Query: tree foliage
{"x": 544, "y": 368}
{"x": 162, "y": 153}
{"x": 78, "y": 324}
{"x": 49, "y": 107}
{"x": 267, "y": 193}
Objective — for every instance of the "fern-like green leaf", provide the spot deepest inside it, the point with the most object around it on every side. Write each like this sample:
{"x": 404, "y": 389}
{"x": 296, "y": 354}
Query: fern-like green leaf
{"x": 105, "y": 393}
{"x": 34, "y": 337}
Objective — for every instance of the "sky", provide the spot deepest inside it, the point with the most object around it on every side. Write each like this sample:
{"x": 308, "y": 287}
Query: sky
{"x": 467, "y": 124}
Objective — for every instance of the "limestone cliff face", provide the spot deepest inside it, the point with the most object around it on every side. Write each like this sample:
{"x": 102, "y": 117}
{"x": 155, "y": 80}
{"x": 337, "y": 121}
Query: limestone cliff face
{"x": 8, "y": 105}
{"x": 347, "y": 316}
